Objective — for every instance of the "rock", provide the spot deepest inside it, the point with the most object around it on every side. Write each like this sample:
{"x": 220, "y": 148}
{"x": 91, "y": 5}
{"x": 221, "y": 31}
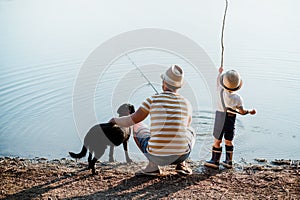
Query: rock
{"x": 55, "y": 161}
{"x": 281, "y": 162}
{"x": 254, "y": 167}
{"x": 277, "y": 169}
{"x": 261, "y": 160}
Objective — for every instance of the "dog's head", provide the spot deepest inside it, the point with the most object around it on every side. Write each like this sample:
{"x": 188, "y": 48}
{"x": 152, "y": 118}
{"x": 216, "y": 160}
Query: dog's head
{"x": 125, "y": 109}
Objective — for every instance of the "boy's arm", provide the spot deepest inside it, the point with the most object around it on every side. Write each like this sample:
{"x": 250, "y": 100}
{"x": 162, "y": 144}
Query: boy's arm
{"x": 221, "y": 69}
{"x": 243, "y": 111}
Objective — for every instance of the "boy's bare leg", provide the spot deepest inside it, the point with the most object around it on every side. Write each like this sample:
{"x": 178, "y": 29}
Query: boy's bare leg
{"x": 217, "y": 143}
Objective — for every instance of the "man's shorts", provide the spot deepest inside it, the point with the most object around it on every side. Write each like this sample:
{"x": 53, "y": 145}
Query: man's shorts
{"x": 142, "y": 135}
{"x": 224, "y": 125}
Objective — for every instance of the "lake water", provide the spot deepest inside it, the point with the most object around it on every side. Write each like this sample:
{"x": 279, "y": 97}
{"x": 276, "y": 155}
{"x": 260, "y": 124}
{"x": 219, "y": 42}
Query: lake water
{"x": 44, "y": 45}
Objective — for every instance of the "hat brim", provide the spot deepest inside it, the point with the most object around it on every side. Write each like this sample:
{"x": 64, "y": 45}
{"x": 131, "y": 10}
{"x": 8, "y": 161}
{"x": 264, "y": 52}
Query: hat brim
{"x": 230, "y": 89}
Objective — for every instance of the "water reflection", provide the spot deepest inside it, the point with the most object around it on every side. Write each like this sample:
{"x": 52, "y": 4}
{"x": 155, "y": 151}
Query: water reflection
{"x": 43, "y": 45}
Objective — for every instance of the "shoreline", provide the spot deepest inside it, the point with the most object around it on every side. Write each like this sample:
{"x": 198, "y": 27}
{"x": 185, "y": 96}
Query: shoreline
{"x": 40, "y": 178}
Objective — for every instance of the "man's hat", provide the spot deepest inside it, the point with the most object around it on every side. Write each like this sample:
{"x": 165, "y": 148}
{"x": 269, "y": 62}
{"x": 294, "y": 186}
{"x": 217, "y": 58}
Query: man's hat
{"x": 231, "y": 80}
{"x": 173, "y": 76}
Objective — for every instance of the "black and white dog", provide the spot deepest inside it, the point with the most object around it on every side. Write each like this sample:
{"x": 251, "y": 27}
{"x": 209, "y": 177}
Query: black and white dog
{"x": 102, "y": 135}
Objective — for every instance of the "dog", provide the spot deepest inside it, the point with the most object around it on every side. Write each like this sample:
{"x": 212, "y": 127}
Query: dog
{"x": 102, "y": 135}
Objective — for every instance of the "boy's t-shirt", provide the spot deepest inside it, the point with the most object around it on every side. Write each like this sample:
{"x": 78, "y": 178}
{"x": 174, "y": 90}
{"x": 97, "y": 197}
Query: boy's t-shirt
{"x": 231, "y": 99}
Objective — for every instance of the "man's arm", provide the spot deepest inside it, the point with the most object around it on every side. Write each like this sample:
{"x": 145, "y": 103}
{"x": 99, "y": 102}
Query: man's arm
{"x": 130, "y": 120}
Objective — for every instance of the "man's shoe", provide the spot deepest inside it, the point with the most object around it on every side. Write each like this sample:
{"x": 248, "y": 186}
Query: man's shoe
{"x": 183, "y": 169}
{"x": 145, "y": 173}
{"x": 150, "y": 170}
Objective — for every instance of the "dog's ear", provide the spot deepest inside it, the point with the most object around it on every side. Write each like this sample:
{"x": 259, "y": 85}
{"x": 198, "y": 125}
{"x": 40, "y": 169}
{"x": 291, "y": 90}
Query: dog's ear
{"x": 125, "y": 109}
{"x": 122, "y": 109}
{"x": 131, "y": 109}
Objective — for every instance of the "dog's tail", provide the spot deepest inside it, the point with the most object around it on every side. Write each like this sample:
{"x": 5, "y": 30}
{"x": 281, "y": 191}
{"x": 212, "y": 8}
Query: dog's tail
{"x": 79, "y": 155}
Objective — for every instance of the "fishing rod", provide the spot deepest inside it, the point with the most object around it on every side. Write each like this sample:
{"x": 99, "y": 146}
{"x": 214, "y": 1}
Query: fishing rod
{"x": 137, "y": 67}
{"x": 222, "y": 53}
{"x": 222, "y": 35}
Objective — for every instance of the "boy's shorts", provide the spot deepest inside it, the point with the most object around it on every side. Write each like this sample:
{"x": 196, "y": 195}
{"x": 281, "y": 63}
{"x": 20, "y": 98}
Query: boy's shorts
{"x": 142, "y": 135}
{"x": 224, "y": 125}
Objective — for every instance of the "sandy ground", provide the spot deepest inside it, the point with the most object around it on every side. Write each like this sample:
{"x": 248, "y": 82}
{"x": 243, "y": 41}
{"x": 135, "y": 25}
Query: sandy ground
{"x": 40, "y": 178}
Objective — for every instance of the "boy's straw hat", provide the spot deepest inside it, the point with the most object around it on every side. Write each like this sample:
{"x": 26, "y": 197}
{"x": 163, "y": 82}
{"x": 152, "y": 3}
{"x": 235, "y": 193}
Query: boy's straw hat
{"x": 173, "y": 76}
{"x": 231, "y": 80}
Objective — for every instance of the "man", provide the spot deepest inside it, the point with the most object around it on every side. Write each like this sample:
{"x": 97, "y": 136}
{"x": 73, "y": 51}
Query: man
{"x": 169, "y": 140}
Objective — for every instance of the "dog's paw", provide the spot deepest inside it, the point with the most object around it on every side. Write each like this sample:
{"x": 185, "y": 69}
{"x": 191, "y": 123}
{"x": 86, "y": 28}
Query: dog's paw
{"x": 94, "y": 172}
{"x": 91, "y": 166}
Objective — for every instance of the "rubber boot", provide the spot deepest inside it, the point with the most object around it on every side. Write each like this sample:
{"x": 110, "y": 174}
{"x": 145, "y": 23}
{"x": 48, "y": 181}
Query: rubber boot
{"x": 215, "y": 158}
{"x": 228, "y": 161}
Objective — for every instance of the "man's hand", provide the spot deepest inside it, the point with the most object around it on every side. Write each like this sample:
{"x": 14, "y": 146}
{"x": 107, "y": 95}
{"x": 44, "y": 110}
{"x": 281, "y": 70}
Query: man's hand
{"x": 112, "y": 120}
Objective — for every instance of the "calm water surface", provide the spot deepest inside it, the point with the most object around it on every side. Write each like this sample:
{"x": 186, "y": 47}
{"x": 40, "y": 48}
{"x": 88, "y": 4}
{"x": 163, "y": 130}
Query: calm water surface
{"x": 43, "y": 46}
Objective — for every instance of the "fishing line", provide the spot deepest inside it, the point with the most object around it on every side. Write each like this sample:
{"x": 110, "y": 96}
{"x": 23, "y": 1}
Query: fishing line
{"x": 137, "y": 67}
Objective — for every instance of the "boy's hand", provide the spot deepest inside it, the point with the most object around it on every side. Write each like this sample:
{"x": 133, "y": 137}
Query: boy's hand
{"x": 221, "y": 70}
{"x": 252, "y": 112}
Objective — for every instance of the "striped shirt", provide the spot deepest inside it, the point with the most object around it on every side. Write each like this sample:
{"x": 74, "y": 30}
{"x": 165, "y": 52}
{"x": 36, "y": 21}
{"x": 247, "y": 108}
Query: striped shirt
{"x": 169, "y": 115}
